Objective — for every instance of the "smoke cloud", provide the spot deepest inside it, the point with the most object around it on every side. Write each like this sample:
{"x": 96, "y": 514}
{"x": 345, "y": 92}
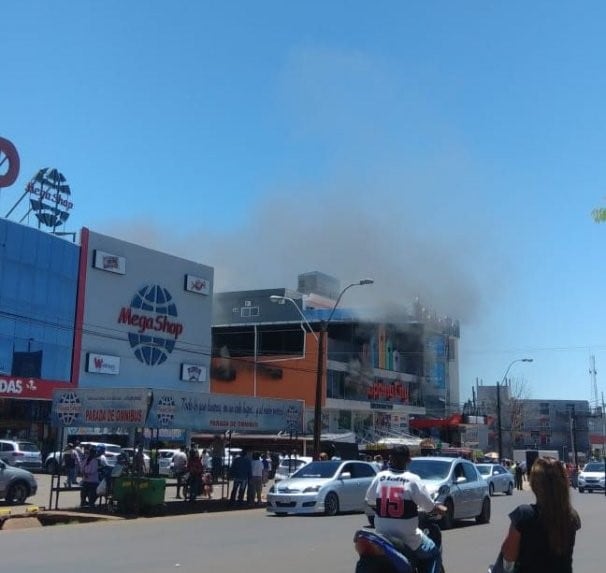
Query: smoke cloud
{"x": 397, "y": 199}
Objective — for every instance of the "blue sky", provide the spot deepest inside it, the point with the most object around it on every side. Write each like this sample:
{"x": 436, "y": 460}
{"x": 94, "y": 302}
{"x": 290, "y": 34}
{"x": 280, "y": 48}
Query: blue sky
{"x": 451, "y": 151}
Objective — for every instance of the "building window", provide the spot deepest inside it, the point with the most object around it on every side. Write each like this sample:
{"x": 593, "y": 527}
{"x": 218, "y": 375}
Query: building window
{"x": 544, "y": 408}
{"x": 248, "y": 311}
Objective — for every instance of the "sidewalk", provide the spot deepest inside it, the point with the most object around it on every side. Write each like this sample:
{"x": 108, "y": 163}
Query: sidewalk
{"x": 69, "y": 501}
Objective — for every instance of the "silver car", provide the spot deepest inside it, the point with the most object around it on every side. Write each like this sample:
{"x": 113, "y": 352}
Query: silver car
{"x": 289, "y": 466}
{"x": 499, "y": 479}
{"x": 322, "y": 487}
{"x": 457, "y": 484}
{"x": 592, "y": 477}
{"x": 16, "y": 485}
{"x": 21, "y": 454}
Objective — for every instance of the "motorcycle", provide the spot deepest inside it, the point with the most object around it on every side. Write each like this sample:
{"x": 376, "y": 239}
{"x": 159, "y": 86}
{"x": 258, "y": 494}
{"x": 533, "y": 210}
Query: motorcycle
{"x": 380, "y": 554}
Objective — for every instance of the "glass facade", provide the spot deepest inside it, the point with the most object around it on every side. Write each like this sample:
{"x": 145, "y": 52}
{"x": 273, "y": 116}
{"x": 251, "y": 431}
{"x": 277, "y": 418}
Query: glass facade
{"x": 38, "y": 288}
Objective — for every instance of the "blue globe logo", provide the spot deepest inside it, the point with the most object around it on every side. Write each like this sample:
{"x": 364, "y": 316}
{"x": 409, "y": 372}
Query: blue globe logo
{"x": 50, "y": 197}
{"x": 68, "y": 408}
{"x": 293, "y": 419}
{"x": 152, "y": 317}
{"x": 166, "y": 410}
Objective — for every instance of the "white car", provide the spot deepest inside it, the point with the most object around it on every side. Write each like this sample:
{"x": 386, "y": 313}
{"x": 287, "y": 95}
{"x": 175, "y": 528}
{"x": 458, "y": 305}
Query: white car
{"x": 592, "y": 477}
{"x": 289, "y": 466}
{"x": 112, "y": 451}
{"x": 165, "y": 458}
{"x": 322, "y": 487}
{"x": 21, "y": 454}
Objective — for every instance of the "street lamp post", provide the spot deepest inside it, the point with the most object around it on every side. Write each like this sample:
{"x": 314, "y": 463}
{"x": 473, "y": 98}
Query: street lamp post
{"x": 282, "y": 299}
{"x": 320, "y": 370}
{"x": 499, "y": 426}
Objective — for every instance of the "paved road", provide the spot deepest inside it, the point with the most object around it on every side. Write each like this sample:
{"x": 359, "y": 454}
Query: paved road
{"x": 251, "y": 541}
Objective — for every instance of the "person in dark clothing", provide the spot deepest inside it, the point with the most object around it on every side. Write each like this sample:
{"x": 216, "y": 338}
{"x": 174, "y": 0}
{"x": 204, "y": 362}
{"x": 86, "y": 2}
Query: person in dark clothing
{"x": 519, "y": 476}
{"x": 195, "y": 470}
{"x": 541, "y": 536}
{"x": 240, "y": 472}
{"x": 217, "y": 451}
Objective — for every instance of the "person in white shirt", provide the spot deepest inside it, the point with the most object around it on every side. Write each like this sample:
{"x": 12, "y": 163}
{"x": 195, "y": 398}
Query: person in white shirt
{"x": 180, "y": 467}
{"x": 396, "y": 496}
{"x": 255, "y": 483}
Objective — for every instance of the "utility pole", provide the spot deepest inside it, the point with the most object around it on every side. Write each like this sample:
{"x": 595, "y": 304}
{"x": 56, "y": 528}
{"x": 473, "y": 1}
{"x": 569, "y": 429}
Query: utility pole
{"x": 573, "y": 435}
{"x": 499, "y": 425}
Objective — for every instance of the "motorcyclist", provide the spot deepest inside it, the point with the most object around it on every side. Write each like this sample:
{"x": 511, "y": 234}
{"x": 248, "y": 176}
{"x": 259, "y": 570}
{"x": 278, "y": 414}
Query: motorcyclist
{"x": 396, "y": 496}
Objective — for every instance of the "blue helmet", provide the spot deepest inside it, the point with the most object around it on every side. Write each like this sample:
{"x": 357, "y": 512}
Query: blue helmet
{"x": 100, "y": 450}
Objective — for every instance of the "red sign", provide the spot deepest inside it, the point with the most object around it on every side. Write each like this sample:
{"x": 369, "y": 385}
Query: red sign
{"x": 32, "y": 388}
{"x": 159, "y": 323}
{"x": 388, "y": 391}
{"x": 9, "y": 163}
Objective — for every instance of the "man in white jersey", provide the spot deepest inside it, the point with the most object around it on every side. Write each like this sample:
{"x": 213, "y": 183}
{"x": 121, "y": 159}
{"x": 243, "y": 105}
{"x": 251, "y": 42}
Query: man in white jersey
{"x": 396, "y": 496}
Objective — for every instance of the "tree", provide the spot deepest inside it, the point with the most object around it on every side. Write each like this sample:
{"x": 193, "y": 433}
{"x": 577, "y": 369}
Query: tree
{"x": 519, "y": 392}
{"x": 599, "y": 215}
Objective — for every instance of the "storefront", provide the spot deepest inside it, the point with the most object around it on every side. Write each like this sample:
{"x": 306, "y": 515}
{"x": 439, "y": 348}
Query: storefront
{"x": 38, "y": 290}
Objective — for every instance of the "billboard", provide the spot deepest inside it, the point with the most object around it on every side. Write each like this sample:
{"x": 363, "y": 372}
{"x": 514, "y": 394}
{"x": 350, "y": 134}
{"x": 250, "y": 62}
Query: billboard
{"x": 173, "y": 409}
{"x": 107, "y": 407}
{"x": 218, "y": 413}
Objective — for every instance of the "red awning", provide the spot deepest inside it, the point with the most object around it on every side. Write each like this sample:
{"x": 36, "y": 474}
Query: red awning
{"x": 427, "y": 423}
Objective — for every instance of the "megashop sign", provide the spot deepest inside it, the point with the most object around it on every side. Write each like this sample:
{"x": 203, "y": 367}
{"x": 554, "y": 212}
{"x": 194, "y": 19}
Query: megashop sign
{"x": 154, "y": 328}
{"x": 391, "y": 391}
{"x": 32, "y": 388}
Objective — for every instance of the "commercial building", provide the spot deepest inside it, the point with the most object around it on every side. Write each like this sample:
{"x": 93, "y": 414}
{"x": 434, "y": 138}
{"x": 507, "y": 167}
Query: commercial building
{"x": 38, "y": 290}
{"x": 106, "y": 313}
{"x": 102, "y": 314}
{"x": 561, "y": 425}
{"x": 380, "y": 372}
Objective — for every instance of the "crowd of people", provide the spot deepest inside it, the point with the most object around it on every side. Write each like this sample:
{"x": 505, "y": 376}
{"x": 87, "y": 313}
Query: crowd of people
{"x": 197, "y": 471}
{"x": 89, "y": 463}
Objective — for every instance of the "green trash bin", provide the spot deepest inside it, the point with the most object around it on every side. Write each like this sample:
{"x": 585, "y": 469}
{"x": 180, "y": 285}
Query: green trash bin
{"x": 143, "y": 494}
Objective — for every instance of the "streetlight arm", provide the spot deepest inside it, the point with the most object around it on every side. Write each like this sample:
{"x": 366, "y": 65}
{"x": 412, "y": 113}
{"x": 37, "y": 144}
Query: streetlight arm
{"x": 278, "y": 298}
{"x": 512, "y": 363}
{"x": 359, "y": 283}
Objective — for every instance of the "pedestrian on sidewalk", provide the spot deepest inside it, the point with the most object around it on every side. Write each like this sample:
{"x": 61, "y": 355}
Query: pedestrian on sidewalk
{"x": 69, "y": 459}
{"x": 180, "y": 467}
{"x": 90, "y": 479}
{"x": 195, "y": 470}
{"x": 240, "y": 473}
{"x": 518, "y": 476}
{"x": 217, "y": 451}
{"x": 255, "y": 484}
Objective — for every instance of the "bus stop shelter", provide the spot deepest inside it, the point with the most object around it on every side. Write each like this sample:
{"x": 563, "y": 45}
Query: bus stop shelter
{"x": 126, "y": 409}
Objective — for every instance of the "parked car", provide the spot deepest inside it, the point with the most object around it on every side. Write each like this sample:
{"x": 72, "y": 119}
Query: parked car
{"x": 130, "y": 452}
{"x": 165, "y": 459}
{"x": 591, "y": 477}
{"x": 16, "y": 484}
{"x": 459, "y": 486}
{"x": 21, "y": 454}
{"x": 112, "y": 451}
{"x": 322, "y": 487}
{"x": 289, "y": 466}
{"x": 499, "y": 479}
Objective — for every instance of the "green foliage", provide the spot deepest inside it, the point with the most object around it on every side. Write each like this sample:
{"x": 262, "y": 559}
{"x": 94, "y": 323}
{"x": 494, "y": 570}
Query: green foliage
{"x": 599, "y": 215}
